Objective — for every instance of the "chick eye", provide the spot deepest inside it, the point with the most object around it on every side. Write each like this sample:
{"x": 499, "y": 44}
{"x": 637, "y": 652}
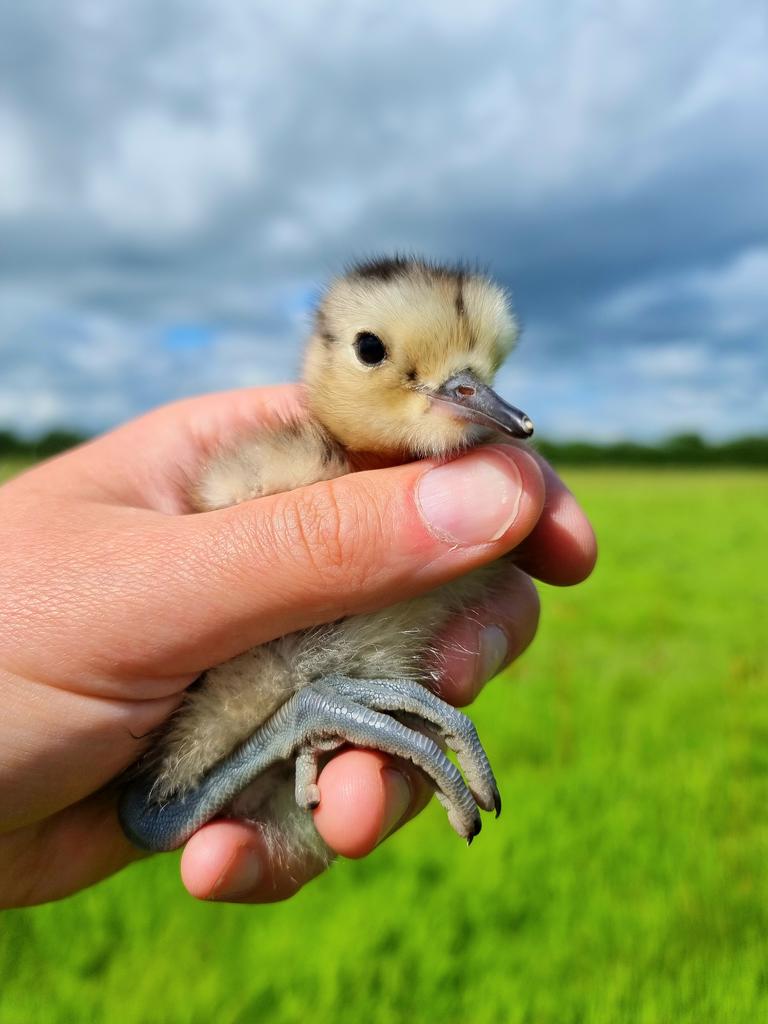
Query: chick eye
{"x": 370, "y": 348}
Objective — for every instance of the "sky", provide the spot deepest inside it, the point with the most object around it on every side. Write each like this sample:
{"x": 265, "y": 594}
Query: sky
{"x": 179, "y": 180}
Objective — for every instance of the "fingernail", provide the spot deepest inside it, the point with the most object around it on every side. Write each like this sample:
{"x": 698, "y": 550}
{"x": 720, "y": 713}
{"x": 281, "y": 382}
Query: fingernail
{"x": 240, "y": 877}
{"x": 472, "y": 500}
{"x": 399, "y": 796}
{"x": 493, "y": 653}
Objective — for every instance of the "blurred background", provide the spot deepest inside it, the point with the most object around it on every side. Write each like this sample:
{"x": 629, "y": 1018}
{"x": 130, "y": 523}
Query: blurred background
{"x": 177, "y": 182}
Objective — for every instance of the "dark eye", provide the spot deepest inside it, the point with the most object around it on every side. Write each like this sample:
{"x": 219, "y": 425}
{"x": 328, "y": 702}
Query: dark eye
{"x": 370, "y": 348}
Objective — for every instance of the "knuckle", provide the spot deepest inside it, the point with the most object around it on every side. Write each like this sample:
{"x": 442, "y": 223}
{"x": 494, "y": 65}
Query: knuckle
{"x": 525, "y": 611}
{"x": 531, "y": 599}
{"x": 326, "y": 531}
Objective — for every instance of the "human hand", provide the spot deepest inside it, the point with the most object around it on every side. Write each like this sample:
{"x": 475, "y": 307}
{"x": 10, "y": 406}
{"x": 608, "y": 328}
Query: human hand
{"x": 112, "y": 601}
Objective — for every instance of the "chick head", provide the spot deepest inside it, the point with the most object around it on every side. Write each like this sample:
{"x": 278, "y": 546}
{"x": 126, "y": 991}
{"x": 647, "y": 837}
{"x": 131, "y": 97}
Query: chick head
{"x": 403, "y": 356}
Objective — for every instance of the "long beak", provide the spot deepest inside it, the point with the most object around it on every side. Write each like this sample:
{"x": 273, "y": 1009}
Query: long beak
{"x": 466, "y": 396}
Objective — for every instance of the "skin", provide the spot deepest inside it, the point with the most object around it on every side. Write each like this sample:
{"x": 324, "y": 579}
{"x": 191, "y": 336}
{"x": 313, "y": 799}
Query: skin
{"x": 113, "y": 600}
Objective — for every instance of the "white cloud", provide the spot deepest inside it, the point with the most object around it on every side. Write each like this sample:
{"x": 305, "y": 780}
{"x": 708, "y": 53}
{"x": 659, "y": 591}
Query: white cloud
{"x": 671, "y": 362}
{"x": 164, "y": 176}
{"x": 19, "y": 185}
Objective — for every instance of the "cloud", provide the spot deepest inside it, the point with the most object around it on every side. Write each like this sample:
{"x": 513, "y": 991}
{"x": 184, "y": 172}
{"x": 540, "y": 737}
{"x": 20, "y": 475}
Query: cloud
{"x": 210, "y": 164}
{"x": 18, "y": 189}
{"x": 166, "y": 176}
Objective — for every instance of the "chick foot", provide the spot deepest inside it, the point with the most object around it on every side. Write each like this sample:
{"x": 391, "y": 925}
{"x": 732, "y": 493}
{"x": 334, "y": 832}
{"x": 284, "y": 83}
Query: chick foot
{"x": 331, "y": 712}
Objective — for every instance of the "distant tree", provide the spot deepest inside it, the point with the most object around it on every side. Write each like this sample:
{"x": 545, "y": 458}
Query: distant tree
{"x": 52, "y": 443}
{"x": 679, "y": 450}
{"x": 10, "y": 444}
{"x": 747, "y": 451}
{"x": 55, "y": 442}
{"x": 687, "y": 448}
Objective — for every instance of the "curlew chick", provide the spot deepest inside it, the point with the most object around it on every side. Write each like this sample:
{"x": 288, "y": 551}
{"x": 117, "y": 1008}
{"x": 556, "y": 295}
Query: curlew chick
{"x": 400, "y": 362}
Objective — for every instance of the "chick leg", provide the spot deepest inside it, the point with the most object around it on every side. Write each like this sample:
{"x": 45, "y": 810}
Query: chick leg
{"x": 456, "y": 729}
{"x": 317, "y": 718}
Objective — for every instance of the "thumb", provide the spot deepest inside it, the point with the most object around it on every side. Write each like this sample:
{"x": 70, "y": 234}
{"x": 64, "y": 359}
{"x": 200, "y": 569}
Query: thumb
{"x": 247, "y": 574}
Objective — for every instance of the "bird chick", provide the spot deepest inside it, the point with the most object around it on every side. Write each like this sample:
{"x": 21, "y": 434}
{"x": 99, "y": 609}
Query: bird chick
{"x": 400, "y": 362}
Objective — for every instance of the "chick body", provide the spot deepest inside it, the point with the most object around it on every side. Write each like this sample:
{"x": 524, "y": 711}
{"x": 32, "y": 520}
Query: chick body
{"x": 435, "y": 325}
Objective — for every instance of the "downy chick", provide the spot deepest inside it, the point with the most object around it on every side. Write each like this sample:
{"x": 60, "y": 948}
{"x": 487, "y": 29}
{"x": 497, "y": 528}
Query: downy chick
{"x": 400, "y": 362}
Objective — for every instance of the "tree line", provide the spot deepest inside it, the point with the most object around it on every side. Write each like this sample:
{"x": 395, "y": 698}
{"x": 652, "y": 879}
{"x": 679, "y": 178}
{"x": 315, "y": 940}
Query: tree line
{"x": 679, "y": 450}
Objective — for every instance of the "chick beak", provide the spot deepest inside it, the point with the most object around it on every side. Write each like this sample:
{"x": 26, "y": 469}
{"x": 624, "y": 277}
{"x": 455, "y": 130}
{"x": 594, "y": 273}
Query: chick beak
{"x": 465, "y": 396}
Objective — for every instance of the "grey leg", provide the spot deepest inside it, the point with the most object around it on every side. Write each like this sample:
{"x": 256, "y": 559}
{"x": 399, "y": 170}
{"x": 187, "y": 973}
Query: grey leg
{"x": 320, "y": 717}
{"x": 457, "y": 730}
{"x": 159, "y": 827}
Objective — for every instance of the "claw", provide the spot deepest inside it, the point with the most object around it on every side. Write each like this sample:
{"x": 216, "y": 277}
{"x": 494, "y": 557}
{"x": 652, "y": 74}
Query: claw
{"x": 320, "y": 717}
{"x": 476, "y": 829}
{"x": 457, "y": 731}
{"x": 312, "y": 799}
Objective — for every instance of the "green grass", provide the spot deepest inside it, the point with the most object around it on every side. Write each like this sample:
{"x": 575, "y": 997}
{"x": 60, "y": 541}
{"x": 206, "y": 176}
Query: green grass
{"x": 12, "y": 464}
{"x": 627, "y": 879}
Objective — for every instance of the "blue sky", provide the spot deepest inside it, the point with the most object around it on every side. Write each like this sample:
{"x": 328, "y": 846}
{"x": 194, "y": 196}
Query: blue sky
{"x": 178, "y": 180}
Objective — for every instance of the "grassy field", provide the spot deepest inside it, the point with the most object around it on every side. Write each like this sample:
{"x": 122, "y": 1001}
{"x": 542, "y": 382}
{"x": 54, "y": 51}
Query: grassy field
{"x": 627, "y": 880}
